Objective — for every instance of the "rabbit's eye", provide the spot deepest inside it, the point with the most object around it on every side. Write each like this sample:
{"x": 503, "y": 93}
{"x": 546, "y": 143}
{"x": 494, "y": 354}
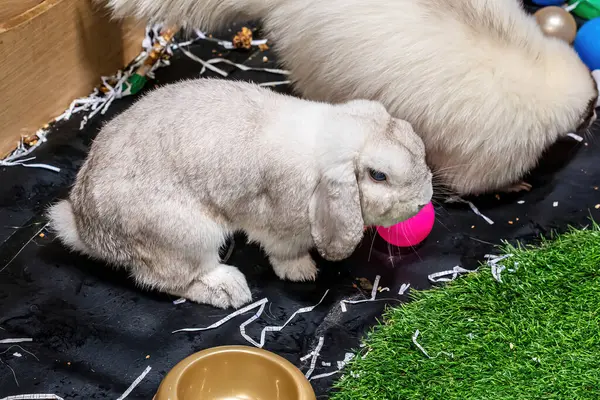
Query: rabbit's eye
{"x": 377, "y": 176}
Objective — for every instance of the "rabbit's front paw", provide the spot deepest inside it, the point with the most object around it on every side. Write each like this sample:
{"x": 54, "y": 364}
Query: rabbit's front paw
{"x": 224, "y": 286}
{"x": 298, "y": 270}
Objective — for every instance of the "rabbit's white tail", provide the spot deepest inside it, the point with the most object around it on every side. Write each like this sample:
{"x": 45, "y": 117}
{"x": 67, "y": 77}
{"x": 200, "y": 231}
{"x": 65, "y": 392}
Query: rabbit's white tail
{"x": 62, "y": 222}
{"x": 194, "y": 14}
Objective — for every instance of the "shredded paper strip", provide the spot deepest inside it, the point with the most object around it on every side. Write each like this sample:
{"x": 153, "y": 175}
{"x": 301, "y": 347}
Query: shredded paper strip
{"x": 261, "y": 307}
{"x": 403, "y": 288}
{"x": 135, "y": 383}
{"x": 266, "y": 329}
{"x": 496, "y": 268}
{"x": 315, "y": 355}
{"x": 414, "y": 340}
{"x": 234, "y": 314}
{"x": 15, "y": 340}
{"x": 373, "y": 295}
{"x": 575, "y": 136}
{"x": 33, "y": 397}
{"x": 447, "y": 276}
{"x": 456, "y": 199}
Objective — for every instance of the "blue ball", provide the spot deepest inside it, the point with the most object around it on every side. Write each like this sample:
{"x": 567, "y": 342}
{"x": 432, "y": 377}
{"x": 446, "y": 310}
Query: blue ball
{"x": 548, "y": 2}
{"x": 587, "y": 43}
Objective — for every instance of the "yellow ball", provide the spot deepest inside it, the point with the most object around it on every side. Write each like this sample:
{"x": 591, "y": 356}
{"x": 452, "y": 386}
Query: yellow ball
{"x": 557, "y": 22}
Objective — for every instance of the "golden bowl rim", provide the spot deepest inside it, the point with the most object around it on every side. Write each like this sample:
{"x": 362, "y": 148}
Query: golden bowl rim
{"x": 168, "y": 387}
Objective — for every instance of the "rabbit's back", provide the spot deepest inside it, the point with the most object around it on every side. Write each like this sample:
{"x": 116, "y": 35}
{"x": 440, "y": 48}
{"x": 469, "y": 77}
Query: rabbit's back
{"x": 218, "y": 147}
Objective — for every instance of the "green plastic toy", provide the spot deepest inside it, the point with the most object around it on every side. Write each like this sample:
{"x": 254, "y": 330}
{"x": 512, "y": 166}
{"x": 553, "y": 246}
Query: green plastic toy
{"x": 134, "y": 84}
{"x": 588, "y": 9}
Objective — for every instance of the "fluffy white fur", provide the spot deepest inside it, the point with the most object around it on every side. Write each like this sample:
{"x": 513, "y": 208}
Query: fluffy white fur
{"x": 481, "y": 84}
{"x": 189, "y": 164}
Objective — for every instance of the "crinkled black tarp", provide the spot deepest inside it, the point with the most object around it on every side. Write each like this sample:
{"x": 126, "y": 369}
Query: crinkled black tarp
{"x": 94, "y": 332}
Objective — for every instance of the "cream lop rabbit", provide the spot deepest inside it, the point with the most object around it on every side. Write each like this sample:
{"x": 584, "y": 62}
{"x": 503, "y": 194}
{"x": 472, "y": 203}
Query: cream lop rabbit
{"x": 169, "y": 179}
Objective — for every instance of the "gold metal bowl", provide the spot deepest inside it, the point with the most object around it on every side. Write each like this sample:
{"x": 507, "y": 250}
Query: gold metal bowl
{"x": 235, "y": 373}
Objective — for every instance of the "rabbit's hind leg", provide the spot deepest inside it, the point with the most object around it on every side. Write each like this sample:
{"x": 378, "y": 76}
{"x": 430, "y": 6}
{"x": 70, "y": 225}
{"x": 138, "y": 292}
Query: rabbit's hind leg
{"x": 223, "y": 286}
{"x": 219, "y": 285}
{"x": 181, "y": 257}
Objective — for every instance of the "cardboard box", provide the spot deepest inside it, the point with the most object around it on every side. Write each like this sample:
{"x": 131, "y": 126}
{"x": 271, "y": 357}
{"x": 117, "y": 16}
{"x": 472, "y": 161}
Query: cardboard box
{"x": 52, "y": 52}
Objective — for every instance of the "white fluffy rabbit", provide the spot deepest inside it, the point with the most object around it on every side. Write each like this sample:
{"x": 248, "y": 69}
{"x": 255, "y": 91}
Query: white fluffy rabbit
{"x": 477, "y": 79}
{"x": 167, "y": 181}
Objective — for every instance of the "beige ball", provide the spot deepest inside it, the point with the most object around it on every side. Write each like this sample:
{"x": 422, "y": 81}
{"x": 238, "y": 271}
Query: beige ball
{"x": 557, "y": 22}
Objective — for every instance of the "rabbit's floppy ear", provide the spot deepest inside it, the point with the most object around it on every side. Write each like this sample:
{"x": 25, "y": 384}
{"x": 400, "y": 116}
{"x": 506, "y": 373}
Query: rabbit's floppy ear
{"x": 335, "y": 214}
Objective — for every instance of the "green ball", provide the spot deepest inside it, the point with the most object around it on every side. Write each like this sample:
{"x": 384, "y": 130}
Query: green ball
{"x": 588, "y": 9}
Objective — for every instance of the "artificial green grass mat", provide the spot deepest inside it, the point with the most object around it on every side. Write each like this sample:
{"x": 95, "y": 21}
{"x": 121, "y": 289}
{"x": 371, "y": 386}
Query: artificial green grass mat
{"x": 534, "y": 336}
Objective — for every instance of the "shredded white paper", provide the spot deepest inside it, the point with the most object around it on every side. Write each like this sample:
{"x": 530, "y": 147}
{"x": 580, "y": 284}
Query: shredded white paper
{"x": 555, "y": 204}
{"x": 516, "y": 264}
{"x": 325, "y": 364}
{"x": 234, "y": 314}
{"x": 225, "y": 43}
{"x": 347, "y": 358}
{"x": 274, "y": 83}
{"x": 494, "y": 259}
{"x": 15, "y": 340}
{"x": 98, "y": 102}
{"x": 205, "y": 65}
{"x": 33, "y": 397}
{"x": 496, "y": 271}
{"x": 179, "y": 301}
{"x": 403, "y": 288}
{"x": 248, "y": 322}
{"x": 16, "y": 157}
{"x": 135, "y": 383}
{"x": 343, "y": 306}
{"x": 324, "y": 375}
{"x": 496, "y": 268}
{"x": 315, "y": 355}
{"x": 208, "y": 64}
{"x": 238, "y": 66}
{"x": 340, "y": 366}
{"x": 373, "y": 295}
{"x": 414, "y": 340}
{"x": 521, "y": 202}
{"x": 266, "y": 329}
{"x": 261, "y": 307}
{"x": 575, "y": 136}
{"x": 443, "y": 275}
{"x": 475, "y": 210}
{"x": 6, "y": 163}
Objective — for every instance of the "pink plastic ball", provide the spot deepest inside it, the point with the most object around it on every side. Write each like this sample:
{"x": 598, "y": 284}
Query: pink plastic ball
{"x": 412, "y": 231}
